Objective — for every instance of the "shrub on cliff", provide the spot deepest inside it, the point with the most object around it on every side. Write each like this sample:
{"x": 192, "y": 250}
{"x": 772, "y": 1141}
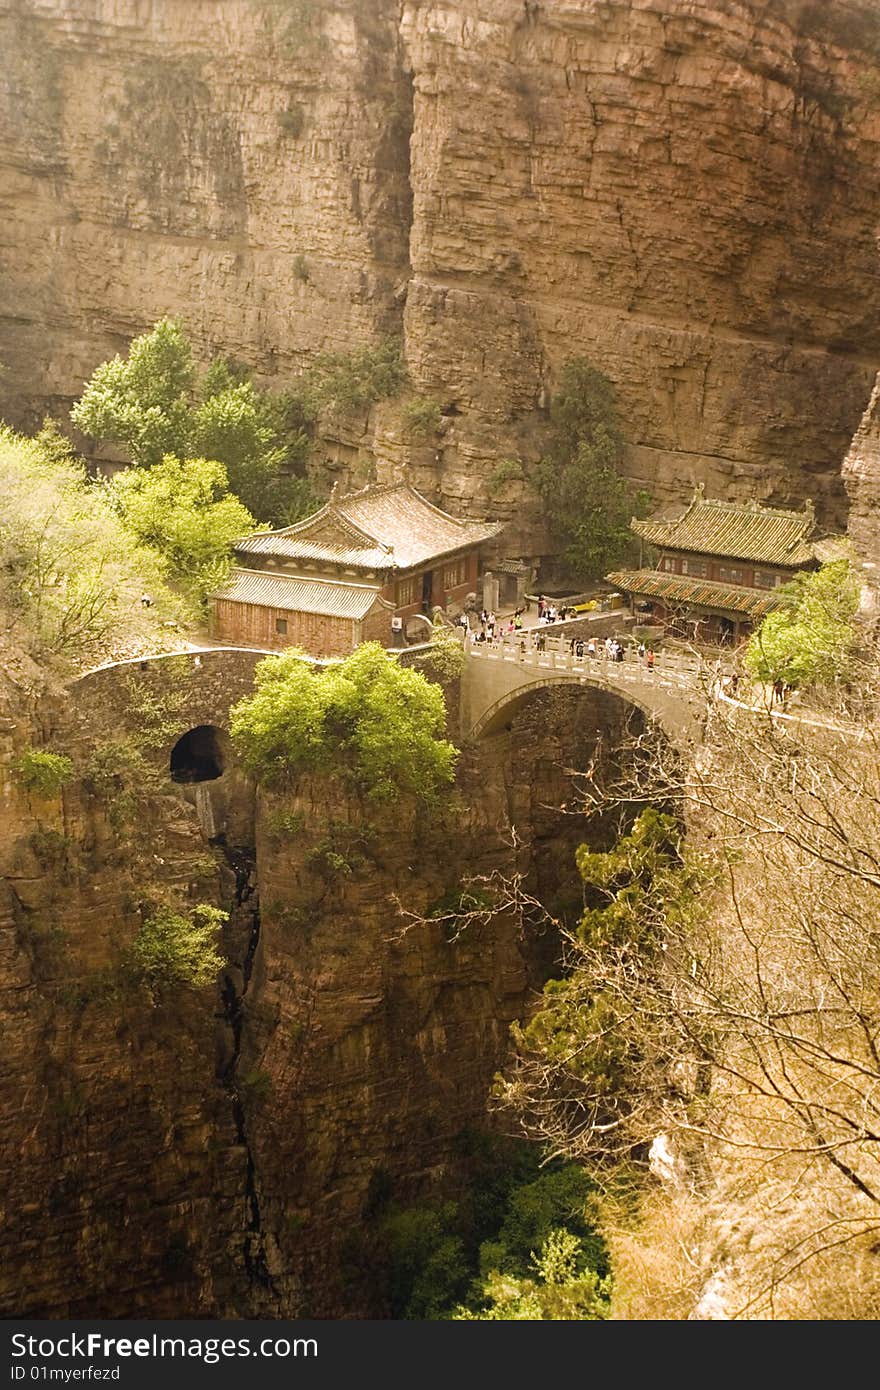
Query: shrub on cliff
{"x": 368, "y": 718}
{"x": 587, "y": 502}
{"x": 346, "y": 381}
{"x": 173, "y": 949}
{"x": 42, "y": 772}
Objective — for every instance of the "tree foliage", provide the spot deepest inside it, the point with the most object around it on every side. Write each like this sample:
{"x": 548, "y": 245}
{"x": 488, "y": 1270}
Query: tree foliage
{"x": 810, "y": 641}
{"x": 445, "y": 660}
{"x": 368, "y": 718}
{"x": 173, "y": 948}
{"x": 519, "y": 1243}
{"x": 585, "y": 1053}
{"x": 183, "y": 509}
{"x": 43, "y": 772}
{"x": 154, "y": 403}
{"x": 557, "y": 1288}
{"x": 71, "y": 575}
{"x": 587, "y": 502}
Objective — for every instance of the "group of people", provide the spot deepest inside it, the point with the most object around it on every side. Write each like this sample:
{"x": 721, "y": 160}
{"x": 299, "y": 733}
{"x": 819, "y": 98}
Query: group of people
{"x": 548, "y": 611}
{"x": 612, "y": 649}
{"x": 490, "y": 628}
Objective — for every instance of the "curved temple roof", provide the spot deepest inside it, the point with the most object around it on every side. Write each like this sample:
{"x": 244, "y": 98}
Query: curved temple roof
{"x": 702, "y": 593}
{"x": 738, "y": 531}
{"x": 380, "y": 528}
{"x": 319, "y": 596}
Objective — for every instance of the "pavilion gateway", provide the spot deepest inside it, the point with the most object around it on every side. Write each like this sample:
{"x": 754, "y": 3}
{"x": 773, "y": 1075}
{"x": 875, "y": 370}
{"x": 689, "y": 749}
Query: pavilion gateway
{"x": 341, "y": 576}
{"x": 719, "y": 566}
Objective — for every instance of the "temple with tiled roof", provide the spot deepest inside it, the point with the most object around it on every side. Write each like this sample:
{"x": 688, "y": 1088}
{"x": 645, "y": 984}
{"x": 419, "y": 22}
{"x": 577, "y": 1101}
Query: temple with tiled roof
{"x": 342, "y": 575}
{"x": 719, "y": 566}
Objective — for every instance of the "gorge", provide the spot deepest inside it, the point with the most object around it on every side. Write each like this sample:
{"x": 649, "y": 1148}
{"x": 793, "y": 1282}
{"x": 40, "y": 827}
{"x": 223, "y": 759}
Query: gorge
{"x": 683, "y": 193}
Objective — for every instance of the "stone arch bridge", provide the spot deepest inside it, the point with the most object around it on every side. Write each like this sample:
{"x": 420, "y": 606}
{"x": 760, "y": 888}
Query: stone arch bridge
{"x": 499, "y": 676}
{"x": 177, "y": 692}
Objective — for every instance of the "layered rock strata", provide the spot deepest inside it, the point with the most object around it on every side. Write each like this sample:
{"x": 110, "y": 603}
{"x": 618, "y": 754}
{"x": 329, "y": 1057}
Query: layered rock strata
{"x": 683, "y": 192}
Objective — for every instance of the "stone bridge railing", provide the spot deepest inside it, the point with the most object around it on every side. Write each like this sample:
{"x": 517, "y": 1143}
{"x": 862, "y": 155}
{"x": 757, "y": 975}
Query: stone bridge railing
{"x": 671, "y": 690}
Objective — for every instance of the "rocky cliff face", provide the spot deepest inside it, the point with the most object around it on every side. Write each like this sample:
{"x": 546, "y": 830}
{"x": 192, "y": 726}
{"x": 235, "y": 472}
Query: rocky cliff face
{"x": 211, "y": 1152}
{"x": 684, "y": 192}
{"x": 124, "y": 1172}
{"x": 861, "y": 474}
{"x": 373, "y": 1035}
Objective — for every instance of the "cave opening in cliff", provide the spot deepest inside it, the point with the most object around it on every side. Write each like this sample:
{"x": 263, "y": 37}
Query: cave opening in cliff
{"x": 199, "y": 755}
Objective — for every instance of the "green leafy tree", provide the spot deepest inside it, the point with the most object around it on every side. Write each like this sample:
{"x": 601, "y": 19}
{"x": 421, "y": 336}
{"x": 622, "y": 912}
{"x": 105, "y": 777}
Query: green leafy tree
{"x": 428, "y": 1265}
{"x": 183, "y": 509}
{"x": 543, "y": 1257}
{"x": 368, "y": 718}
{"x": 586, "y": 1057}
{"x": 172, "y": 948}
{"x": 558, "y": 1288}
{"x": 261, "y": 438}
{"x": 811, "y": 639}
{"x": 43, "y": 772}
{"x": 587, "y": 502}
{"x": 143, "y": 400}
{"x": 445, "y": 660}
{"x": 154, "y": 403}
{"x": 560, "y": 1198}
{"x": 71, "y": 575}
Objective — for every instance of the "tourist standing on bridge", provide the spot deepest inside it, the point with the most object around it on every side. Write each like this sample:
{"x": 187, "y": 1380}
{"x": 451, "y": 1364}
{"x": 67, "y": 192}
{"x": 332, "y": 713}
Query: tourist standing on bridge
{"x": 641, "y": 650}
{"x": 490, "y": 626}
{"x": 649, "y": 659}
{"x": 541, "y": 602}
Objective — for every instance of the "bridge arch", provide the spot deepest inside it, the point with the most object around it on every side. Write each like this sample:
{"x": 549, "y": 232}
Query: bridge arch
{"x": 201, "y": 755}
{"x": 496, "y": 716}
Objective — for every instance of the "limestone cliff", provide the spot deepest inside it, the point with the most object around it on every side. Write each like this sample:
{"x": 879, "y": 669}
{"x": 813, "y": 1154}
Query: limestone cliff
{"x": 861, "y": 474}
{"x": 683, "y": 191}
{"x": 211, "y": 1152}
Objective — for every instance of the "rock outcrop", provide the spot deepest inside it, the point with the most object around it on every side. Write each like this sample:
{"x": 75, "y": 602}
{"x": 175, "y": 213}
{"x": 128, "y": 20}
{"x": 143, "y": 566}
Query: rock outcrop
{"x": 861, "y": 475}
{"x": 684, "y": 192}
{"x": 211, "y": 1152}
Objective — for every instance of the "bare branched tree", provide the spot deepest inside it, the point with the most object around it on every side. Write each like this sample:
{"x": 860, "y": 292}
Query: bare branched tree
{"x": 733, "y": 1004}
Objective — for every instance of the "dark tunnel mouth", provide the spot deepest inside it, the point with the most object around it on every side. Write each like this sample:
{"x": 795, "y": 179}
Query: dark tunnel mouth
{"x": 198, "y": 756}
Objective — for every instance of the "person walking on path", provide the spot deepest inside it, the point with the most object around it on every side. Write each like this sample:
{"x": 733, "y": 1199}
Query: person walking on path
{"x": 649, "y": 658}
